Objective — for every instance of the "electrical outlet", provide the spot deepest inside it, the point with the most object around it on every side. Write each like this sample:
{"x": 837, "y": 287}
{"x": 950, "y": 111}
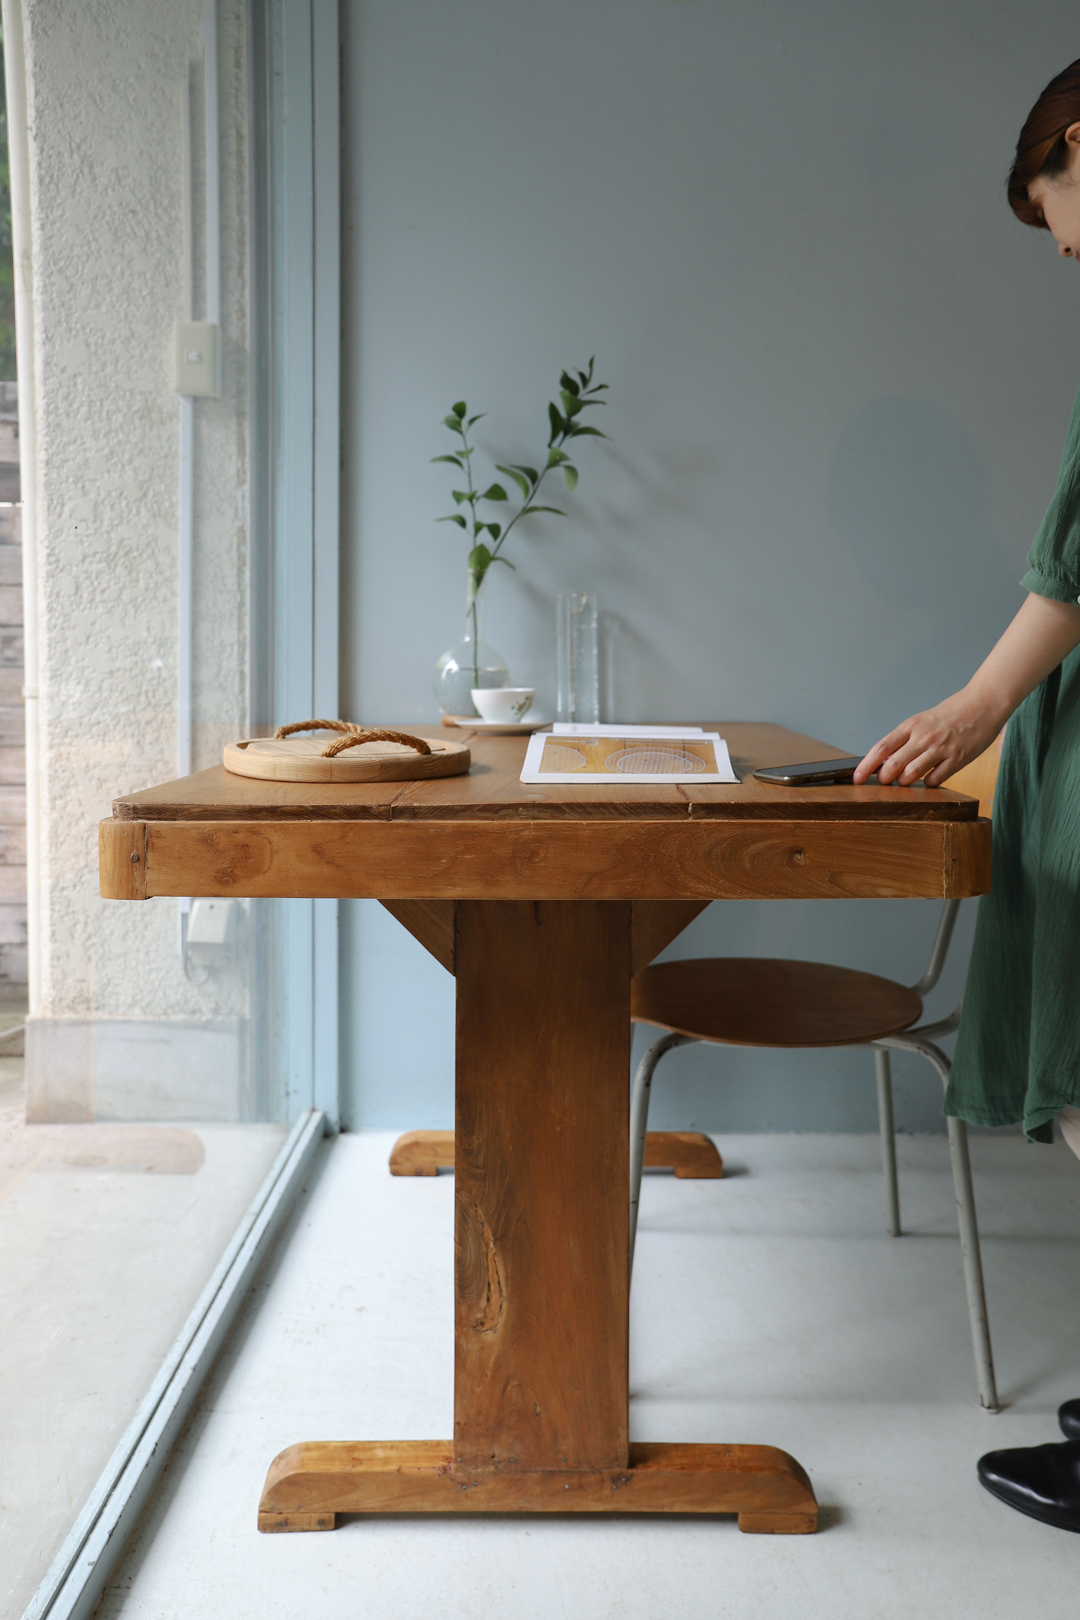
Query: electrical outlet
{"x": 213, "y": 933}
{"x": 197, "y": 358}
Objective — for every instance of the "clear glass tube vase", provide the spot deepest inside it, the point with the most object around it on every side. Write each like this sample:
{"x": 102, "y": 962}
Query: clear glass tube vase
{"x": 577, "y": 658}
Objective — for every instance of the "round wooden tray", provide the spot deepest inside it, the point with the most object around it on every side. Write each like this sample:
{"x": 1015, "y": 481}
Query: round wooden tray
{"x": 300, "y": 759}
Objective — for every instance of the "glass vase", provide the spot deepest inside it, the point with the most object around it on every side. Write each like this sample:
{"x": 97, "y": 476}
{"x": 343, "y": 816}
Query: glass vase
{"x": 577, "y": 661}
{"x": 471, "y": 662}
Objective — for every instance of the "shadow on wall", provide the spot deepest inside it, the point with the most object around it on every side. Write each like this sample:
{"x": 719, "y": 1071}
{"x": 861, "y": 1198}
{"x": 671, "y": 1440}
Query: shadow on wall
{"x": 907, "y": 490}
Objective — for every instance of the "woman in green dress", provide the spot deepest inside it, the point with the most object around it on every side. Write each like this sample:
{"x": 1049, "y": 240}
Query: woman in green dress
{"x": 1018, "y": 1050}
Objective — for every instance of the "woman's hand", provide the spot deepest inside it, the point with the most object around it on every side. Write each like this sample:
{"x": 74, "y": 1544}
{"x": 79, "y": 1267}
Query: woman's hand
{"x": 934, "y": 745}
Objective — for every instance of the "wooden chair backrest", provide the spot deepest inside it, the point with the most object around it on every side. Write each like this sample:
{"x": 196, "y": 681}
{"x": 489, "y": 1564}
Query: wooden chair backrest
{"x": 980, "y": 777}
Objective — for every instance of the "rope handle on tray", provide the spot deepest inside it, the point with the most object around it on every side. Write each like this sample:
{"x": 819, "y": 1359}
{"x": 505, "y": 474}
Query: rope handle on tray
{"x": 354, "y": 736}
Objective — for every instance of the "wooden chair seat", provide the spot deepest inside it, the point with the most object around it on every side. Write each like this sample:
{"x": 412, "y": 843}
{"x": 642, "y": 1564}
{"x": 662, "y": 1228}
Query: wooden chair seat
{"x": 759, "y": 1001}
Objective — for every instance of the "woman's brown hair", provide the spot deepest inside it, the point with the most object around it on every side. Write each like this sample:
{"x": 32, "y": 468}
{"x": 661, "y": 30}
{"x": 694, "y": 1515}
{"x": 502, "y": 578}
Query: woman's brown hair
{"x": 1041, "y": 148}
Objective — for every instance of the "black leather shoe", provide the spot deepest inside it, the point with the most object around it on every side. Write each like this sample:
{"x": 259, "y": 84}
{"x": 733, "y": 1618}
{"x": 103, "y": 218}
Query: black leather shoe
{"x": 1069, "y": 1419}
{"x": 1042, "y": 1481}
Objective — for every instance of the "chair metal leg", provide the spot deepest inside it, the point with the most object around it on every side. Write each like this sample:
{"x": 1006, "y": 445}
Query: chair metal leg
{"x": 639, "y": 1121}
{"x": 970, "y": 1253}
{"x": 888, "y": 1142}
{"x": 972, "y": 1257}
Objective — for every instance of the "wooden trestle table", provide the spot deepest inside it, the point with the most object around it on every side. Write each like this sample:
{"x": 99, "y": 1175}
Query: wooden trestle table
{"x": 544, "y": 902}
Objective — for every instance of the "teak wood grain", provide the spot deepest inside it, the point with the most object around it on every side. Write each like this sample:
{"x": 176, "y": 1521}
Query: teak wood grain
{"x": 309, "y": 1485}
{"x": 492, "y": 791}
{"x": 544, "y": 901}
{"x": 122, "y": 860}
{"x": 541, "y": 1152}
{"x": 691, "y": 1154}
{"x": 554, "y": 860}
{"x": 654, "y": 924}
{"x": 431, "y": 922}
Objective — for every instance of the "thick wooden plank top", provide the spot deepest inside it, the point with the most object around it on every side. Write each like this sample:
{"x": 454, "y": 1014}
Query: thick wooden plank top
{"x": 492, "y": 791}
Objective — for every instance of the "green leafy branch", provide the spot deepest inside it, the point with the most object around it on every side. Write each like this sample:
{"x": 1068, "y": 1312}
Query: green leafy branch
{"x": 576, "y": 393}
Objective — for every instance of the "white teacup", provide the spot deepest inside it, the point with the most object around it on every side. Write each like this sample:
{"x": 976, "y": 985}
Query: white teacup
{"x": 503, "y": 705}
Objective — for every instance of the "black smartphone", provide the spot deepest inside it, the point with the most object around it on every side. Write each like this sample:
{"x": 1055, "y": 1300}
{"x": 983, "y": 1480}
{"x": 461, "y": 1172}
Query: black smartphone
{"x": 817, "y": 773}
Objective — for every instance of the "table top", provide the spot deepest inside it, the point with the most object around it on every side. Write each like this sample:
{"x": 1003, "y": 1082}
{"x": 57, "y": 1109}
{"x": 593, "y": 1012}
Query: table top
{"x": 489, "y": 836}
{"x": 492, "y": 790}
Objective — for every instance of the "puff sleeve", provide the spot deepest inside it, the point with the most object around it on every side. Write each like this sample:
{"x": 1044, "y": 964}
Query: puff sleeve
{"x": 1054, "y": 558}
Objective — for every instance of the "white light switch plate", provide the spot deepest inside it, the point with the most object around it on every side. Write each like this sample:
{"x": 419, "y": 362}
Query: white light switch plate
{"x": 197, "y": 358}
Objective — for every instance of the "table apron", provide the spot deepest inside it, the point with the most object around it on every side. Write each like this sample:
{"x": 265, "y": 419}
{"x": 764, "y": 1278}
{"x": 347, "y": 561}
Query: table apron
{"x": 563, "y": 860}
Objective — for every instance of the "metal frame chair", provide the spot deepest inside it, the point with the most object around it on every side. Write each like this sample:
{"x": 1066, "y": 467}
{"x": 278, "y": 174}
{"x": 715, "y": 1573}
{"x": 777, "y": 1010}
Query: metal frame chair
{"x": 921, "y": 1039}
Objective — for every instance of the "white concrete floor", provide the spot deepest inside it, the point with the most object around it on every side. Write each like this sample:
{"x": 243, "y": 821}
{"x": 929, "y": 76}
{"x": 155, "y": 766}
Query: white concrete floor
{"x": 108, "y": 1234}
{"x": 769, "y": 1307}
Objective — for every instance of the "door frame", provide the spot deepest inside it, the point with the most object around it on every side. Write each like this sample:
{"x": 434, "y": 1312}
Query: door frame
{"x": 297, "y": 381}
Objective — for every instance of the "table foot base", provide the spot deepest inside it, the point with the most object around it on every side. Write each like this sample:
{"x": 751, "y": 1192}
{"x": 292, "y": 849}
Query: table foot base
{"x": 691, "y": 1154}
{"x": 275, "y": 1523}
{"x": 308, "y": 1485}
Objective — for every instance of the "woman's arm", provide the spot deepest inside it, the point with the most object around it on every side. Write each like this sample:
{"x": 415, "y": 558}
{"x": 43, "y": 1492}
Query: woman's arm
{"x": 941, "y": 740}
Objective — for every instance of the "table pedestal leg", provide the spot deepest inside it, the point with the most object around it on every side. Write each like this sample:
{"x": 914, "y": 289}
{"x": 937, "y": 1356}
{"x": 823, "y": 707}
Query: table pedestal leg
{"x": 541, "y": 1277}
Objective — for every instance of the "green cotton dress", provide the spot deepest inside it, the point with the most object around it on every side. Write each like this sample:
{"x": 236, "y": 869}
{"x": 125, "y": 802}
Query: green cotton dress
{"x": 1018, "y": 1050}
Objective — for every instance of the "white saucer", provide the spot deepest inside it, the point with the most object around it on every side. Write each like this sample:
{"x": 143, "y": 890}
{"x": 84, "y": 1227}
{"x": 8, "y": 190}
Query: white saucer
{"x": 500, "y": 728}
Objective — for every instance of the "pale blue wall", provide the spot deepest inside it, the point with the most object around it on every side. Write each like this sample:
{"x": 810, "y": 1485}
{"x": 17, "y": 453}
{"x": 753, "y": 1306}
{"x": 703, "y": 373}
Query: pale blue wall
{"x": 840, "y": 377}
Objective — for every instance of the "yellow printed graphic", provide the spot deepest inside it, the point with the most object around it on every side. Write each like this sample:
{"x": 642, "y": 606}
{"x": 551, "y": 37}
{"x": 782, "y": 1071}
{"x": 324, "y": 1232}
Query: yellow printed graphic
{"x": 626, "y": 756}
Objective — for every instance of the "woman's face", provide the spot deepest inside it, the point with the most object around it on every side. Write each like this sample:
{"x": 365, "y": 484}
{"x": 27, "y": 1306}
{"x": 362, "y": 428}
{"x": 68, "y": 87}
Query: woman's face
{"x": 1059, "y": 199}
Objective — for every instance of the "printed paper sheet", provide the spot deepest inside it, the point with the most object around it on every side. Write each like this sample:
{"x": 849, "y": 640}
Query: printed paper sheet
{"x": 630, "y": 754}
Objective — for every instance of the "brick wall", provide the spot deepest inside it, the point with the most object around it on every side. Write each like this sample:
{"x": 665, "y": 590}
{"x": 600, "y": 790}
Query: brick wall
{"x": 12, "y": 735}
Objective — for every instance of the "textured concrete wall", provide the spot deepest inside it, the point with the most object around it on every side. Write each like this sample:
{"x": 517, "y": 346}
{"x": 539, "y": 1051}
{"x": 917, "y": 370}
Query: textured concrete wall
{"x": 105, "y": 84}
{"x": 12, "y": 719}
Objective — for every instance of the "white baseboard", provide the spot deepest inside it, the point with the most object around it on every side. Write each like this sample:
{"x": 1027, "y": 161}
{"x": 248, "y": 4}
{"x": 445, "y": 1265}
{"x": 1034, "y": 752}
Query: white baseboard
{"x": 81, "y": 1069}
